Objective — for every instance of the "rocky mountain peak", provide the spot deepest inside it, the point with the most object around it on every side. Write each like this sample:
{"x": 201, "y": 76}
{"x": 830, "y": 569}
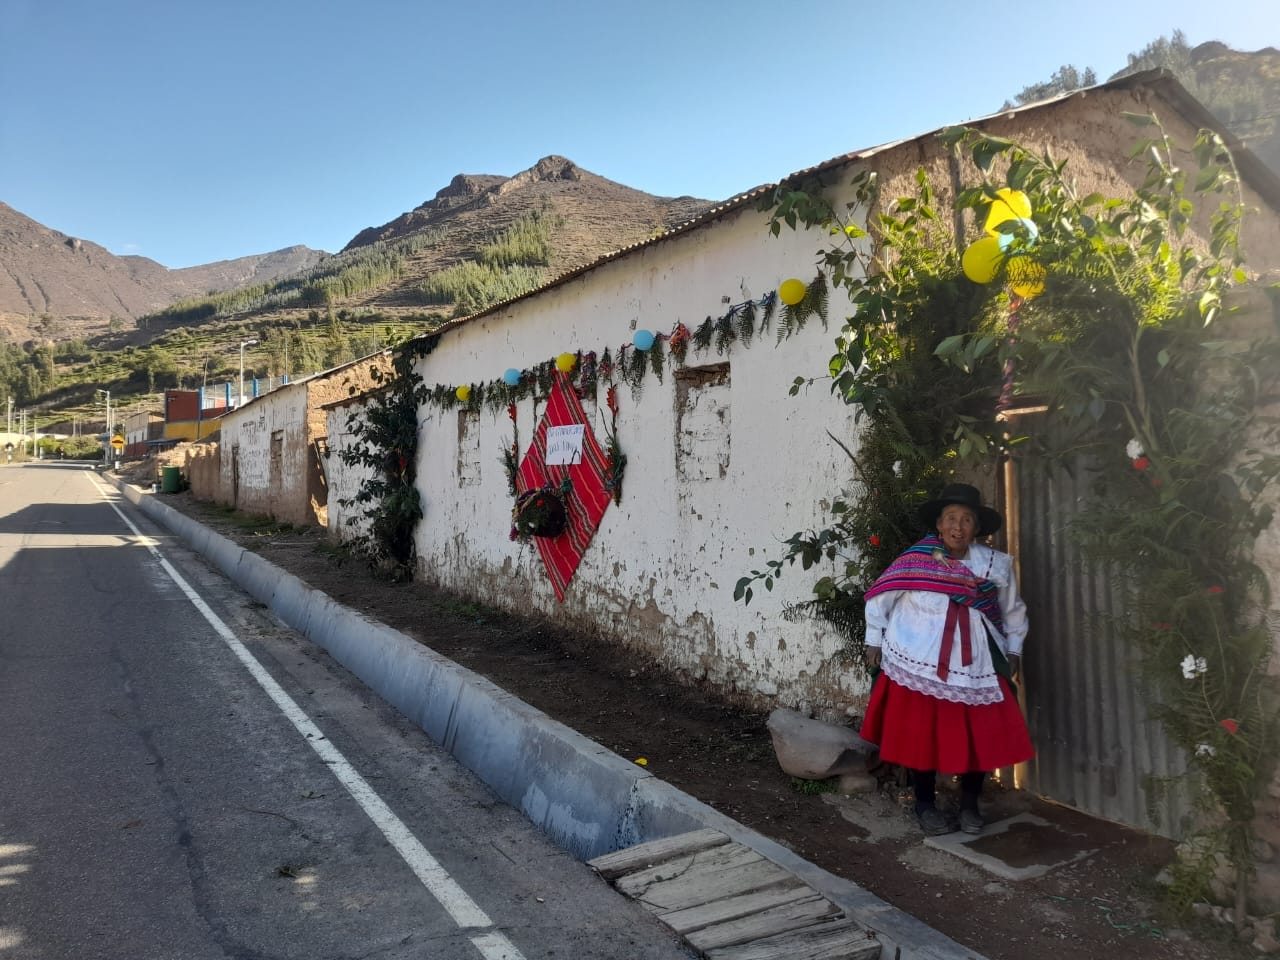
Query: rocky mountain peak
{"x": 555, "y": 168}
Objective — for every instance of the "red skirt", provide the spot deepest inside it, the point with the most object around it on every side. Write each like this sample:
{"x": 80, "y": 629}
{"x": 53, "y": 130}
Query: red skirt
{"x": 924, "y": 733}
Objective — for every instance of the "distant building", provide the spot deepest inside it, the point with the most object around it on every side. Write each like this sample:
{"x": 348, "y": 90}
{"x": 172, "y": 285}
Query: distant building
{"x": 191, "y": 414}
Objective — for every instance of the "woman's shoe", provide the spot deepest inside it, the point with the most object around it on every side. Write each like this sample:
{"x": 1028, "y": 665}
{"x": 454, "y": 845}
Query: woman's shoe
{"x": 933, "y": 822}
{"x": 971, "y": 821}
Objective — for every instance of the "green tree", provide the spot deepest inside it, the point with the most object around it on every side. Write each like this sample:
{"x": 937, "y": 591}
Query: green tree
{"x": 1065, "y": 79}
{"x": 1163, "y": 53}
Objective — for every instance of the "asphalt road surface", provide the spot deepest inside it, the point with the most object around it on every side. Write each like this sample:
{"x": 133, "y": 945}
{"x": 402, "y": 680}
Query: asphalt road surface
{"x": 182, "y": 777}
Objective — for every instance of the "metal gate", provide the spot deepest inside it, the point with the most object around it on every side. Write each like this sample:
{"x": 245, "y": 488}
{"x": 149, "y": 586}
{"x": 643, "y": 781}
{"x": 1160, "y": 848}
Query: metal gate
{"x": 1097, "y": 749}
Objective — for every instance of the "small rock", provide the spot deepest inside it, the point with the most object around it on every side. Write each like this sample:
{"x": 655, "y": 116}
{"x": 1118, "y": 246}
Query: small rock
{"x": 814, "y": 750}
{"x": 1177, "y": 935}
{"x": 1202, "y": 909}
{"x": 994, "y": 889}
{"x": 1263, "y": 852}
{"x": 1165, "y": 877}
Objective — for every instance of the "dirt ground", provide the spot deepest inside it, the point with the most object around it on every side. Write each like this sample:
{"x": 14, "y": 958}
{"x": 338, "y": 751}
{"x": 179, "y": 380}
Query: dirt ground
{"x": 1106, "y": 905}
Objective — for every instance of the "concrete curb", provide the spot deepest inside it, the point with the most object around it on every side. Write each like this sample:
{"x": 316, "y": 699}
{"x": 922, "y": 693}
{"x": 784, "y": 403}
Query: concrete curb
{"x": 589, "y": 800}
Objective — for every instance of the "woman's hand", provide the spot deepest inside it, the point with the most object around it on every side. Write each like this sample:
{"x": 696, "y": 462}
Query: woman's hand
{"x": 872, "y": 657}
{"x": 1015, "y": 665}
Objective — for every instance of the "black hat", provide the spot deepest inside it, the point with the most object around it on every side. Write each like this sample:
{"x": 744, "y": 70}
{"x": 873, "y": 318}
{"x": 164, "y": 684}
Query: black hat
{"x": 989, "y": 521}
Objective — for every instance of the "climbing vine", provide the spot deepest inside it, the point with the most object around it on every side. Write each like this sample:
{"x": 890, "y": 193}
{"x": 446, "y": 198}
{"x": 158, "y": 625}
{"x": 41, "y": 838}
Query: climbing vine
{"x": 922, "y": 417}
{"x": 1108, "y": 313}
{"x": 386, "y": 432}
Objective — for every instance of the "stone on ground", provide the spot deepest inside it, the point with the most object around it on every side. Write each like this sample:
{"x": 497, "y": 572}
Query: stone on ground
{"x": 816, "y": 750}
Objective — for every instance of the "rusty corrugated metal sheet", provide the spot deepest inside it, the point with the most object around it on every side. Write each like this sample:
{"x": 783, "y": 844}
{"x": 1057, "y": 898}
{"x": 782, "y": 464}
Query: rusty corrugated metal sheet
{"x": 1097, "y": 748}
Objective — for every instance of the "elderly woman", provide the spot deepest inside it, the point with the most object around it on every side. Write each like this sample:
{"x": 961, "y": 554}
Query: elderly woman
{"x": 945, "y": 626}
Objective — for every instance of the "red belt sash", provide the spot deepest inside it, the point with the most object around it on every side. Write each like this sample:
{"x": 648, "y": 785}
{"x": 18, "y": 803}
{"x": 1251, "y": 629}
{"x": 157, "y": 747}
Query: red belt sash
{"x": 954, "y": 619}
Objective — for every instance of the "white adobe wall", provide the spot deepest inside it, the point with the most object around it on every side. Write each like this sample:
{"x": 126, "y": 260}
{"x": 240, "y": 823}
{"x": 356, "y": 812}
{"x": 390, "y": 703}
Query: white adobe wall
{"x": 344, "y": 481}
{"x": 660, "y": 573}
{"x": 267, "y": 440}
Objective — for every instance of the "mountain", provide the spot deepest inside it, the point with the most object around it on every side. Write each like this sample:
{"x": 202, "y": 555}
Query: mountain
{"x": 595, "y": 215}
{"x": 1243, "y": 88}
{"x": 1240, "y": 87}
{"x": 62, "y": 286}
{"x": 481, "y": 239}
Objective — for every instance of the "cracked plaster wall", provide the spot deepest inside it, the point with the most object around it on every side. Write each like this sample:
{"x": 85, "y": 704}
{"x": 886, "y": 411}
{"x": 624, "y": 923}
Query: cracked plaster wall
{"x": 263, "y": 456}
{"x": 722, "y": 465}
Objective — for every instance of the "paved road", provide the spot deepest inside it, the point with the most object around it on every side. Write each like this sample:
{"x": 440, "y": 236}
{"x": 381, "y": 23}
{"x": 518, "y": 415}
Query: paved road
{"x": 183, "y": 777}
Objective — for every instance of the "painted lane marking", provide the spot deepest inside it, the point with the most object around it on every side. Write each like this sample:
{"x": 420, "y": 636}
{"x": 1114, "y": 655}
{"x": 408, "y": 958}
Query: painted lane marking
{"x": 466, "y": 913}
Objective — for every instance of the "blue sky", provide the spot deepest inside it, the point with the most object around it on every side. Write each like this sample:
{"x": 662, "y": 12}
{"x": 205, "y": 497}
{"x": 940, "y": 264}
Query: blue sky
{"x": 190, "y": 131}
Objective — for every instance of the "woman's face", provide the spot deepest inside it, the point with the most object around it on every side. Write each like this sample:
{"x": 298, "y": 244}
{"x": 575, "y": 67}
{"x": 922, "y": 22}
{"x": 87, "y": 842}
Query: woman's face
{"x": 957, "y": 526}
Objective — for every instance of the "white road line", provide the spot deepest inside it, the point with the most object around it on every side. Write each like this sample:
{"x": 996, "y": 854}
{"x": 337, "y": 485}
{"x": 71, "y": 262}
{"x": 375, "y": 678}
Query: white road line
{"x": 492, "y": 944}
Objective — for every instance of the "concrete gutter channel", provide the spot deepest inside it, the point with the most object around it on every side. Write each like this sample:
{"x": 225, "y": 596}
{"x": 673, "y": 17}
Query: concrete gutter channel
{"x": 587, "y": 799}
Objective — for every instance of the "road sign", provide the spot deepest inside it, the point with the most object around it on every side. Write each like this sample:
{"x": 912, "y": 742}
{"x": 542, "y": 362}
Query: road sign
{"x": 117, "y": 443}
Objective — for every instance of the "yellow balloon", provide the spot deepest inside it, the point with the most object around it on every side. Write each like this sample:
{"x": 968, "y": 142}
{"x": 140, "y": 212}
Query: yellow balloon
{"x": 566, "y": 362}
{"x": 1026, "y": 277}
{"x": 1008, "y": 205}
{"x": 981, "y": 260}
{"x": 463, "y": 393}
{"x": 791, "y": 291}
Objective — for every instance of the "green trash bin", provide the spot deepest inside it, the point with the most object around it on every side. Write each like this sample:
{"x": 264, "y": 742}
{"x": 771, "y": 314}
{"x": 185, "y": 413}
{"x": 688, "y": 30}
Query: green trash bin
{"x": 170, "y": 479}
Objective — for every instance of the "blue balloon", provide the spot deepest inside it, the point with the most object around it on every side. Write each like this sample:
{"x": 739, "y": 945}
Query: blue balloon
{"x": 642, "y": 339}
{"x": 1026, "y": 228}
{"x": 512, "y": 377}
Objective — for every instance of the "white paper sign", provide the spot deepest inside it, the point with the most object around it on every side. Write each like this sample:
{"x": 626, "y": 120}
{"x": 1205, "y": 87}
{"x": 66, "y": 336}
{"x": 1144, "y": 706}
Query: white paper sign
{"x": 564, "y": 445}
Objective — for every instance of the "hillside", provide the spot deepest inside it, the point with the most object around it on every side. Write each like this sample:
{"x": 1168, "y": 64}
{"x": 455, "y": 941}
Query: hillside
{"x": 579, "y": 215}
{"x": 481, "y": 238}
{"x": 1244, "y": 90}
{"x": 1240, "y": 87}
{"x": 61, "y": 287}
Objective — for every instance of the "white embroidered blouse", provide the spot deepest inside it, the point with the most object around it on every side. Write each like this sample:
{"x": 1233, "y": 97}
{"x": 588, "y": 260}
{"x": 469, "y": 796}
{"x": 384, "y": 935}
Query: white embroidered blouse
{"x": 908, "y": 626}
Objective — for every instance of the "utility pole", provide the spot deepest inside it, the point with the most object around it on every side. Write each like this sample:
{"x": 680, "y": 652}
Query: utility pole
{"x": 10, "y": 430}
{"x": 106, "y": 450}
{"x": 243, "y": 344}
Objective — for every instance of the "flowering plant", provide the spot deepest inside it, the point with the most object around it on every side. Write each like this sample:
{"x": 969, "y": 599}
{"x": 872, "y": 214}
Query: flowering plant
{"x": 617, "y": 460}
{"x": 539, "y": 512}
{"x": 1121, "y": 329}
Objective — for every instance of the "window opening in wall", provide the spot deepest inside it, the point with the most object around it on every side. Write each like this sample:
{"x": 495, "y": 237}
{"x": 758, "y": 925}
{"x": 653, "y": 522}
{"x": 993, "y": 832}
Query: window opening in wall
{"x": 703, "y": 422}
{"x": 468, "y": 448}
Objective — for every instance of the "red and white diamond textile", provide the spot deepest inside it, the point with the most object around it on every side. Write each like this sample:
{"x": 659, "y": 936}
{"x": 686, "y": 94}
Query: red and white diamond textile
{"x": 586, "y": 501}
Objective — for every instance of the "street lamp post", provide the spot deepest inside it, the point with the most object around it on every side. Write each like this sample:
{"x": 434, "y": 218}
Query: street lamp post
{"x": 105, "y": 453}
{"x": 243, "y": 344}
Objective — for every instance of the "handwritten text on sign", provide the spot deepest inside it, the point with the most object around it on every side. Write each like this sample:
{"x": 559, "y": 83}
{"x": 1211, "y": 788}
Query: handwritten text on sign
{"x": 564, "y": 445}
